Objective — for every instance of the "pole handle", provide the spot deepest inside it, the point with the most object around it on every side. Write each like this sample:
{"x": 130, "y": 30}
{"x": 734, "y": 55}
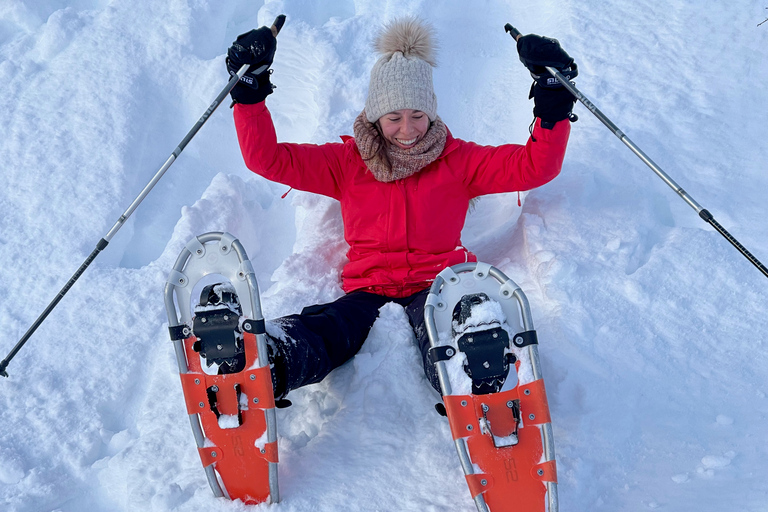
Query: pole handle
{"x": 277, "y": 26}
{"x": 513, "y": 31}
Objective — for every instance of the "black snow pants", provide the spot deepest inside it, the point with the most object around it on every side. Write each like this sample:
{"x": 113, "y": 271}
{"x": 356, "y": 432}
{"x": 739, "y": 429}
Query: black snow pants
{"x": 325, "y": 336}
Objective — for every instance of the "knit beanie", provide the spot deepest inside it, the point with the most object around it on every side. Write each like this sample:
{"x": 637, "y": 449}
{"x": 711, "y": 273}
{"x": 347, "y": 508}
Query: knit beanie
{"x": 402, "y": 77}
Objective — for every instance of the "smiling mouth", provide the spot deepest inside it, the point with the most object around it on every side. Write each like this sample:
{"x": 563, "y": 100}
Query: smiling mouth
{"x": 409, "y": 142}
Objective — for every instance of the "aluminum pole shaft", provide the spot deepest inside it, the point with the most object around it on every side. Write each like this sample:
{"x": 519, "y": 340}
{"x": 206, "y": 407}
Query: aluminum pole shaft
{"x": 124, "y": 217}
{"x": 703, "y": 212}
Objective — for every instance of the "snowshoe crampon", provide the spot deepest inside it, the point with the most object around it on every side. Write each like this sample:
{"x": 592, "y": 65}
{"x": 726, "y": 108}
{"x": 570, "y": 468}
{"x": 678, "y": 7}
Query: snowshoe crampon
{"x": 219, "y": 337}
{"x": 485, "y": 350}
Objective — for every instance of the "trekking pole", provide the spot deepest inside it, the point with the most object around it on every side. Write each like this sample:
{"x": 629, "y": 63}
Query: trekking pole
{"x": 276, "y": 26}
{"x": 703, "y": 212}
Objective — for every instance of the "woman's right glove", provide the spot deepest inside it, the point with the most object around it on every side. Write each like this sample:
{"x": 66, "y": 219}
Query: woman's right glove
{"x": 256, "y": 48}
{"x": 552, "y": 102}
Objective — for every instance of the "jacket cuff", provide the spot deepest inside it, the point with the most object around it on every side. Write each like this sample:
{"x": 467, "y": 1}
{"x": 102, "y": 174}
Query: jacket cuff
{"x": 248, "y": 110}
{"x": 544, "y": 129}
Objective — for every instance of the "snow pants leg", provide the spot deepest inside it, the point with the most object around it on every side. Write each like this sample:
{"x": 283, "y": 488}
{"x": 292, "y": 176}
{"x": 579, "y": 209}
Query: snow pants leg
{"x": 323, "y": 337}
{"x": 415, "y": 312}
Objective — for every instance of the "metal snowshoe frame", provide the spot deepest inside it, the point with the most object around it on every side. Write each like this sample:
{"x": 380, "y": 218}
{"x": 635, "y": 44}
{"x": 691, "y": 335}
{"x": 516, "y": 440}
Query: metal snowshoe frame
{"x": 446, "y": 290}
{"x": 221, "y": 254}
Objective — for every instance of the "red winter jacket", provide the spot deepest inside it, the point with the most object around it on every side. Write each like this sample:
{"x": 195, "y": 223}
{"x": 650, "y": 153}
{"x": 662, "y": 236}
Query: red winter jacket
{"x": 400, "y": 234}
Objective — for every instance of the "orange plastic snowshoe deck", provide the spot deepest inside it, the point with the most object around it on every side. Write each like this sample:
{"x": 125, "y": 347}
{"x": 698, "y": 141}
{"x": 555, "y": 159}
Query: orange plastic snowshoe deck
{"x": 240, "y": 455}
{"x": 511, "y": 478}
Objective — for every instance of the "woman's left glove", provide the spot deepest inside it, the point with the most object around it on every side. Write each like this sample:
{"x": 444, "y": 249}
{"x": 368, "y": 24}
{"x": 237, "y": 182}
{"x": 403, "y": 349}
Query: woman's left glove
{"x": 552, "y": 102}
{"x": 256, "y": 48}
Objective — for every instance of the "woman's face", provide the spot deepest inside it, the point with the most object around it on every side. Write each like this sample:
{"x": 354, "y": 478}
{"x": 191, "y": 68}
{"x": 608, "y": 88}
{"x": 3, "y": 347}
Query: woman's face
{"x": 404, "y": 128}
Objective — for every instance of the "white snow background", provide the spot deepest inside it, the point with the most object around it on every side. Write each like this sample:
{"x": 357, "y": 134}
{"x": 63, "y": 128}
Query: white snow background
{"x": 652, "y": 327}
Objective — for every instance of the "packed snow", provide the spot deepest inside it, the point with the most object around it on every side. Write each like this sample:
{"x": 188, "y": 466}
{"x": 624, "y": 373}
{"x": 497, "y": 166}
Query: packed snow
{"x": 652, "y": 328}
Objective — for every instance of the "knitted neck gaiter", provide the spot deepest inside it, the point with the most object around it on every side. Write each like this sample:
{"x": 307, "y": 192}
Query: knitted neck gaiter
{"x": 396, "y": 163}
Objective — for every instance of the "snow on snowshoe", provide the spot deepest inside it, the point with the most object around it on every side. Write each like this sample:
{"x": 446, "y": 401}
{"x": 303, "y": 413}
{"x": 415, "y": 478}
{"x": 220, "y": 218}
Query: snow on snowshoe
{"x": 492, "y": 388}
{"x": 219, "y": 337}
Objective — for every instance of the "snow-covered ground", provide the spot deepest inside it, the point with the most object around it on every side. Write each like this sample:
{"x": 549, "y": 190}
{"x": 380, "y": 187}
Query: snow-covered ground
{"x": 652, "y": 327}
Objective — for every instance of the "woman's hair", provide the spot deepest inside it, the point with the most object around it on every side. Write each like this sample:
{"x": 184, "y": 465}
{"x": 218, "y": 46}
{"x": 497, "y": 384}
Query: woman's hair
{"x": 380, "y": 152}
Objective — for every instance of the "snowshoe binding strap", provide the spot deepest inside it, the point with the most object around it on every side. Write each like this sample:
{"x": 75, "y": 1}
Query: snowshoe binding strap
{"x": 441, "y": 353}
{"x": 524, "y": 339}
{"x": 487, "y": 364}
{"x": 478, "y": 333}
{"x": 216, "y": 326}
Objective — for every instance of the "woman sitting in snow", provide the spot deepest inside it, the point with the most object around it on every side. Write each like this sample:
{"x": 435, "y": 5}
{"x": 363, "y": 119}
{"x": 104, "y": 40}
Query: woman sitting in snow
{"x": 404, "y": 183}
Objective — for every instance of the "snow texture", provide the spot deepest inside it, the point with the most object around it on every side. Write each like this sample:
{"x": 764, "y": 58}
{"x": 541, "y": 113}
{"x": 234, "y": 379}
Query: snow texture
{"x": 652, "y": 328}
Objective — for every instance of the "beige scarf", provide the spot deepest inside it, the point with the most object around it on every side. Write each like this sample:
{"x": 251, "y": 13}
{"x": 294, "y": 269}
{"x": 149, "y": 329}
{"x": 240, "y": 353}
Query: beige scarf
{"x": 394, "y": 163}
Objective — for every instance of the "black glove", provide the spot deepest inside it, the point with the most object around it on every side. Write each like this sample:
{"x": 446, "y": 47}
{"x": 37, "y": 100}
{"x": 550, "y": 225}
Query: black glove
{"x": 537, "y": 52}
{"x": 552, "y": 102}
{"x": 256, "y": 48}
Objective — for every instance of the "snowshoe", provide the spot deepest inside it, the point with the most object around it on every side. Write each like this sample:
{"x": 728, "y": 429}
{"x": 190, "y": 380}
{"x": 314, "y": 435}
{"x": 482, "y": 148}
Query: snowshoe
{"x": 222, "y": 353}
{"x": 486, "y": 354}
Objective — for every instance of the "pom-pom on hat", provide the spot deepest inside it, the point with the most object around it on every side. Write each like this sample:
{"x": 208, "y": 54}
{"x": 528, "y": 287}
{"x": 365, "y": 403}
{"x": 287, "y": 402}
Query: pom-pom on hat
{"x": 402, "y": 77}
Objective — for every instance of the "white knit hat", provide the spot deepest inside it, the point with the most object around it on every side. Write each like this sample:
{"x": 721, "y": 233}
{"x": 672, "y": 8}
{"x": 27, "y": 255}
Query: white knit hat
{"x": 402, "y": 77}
